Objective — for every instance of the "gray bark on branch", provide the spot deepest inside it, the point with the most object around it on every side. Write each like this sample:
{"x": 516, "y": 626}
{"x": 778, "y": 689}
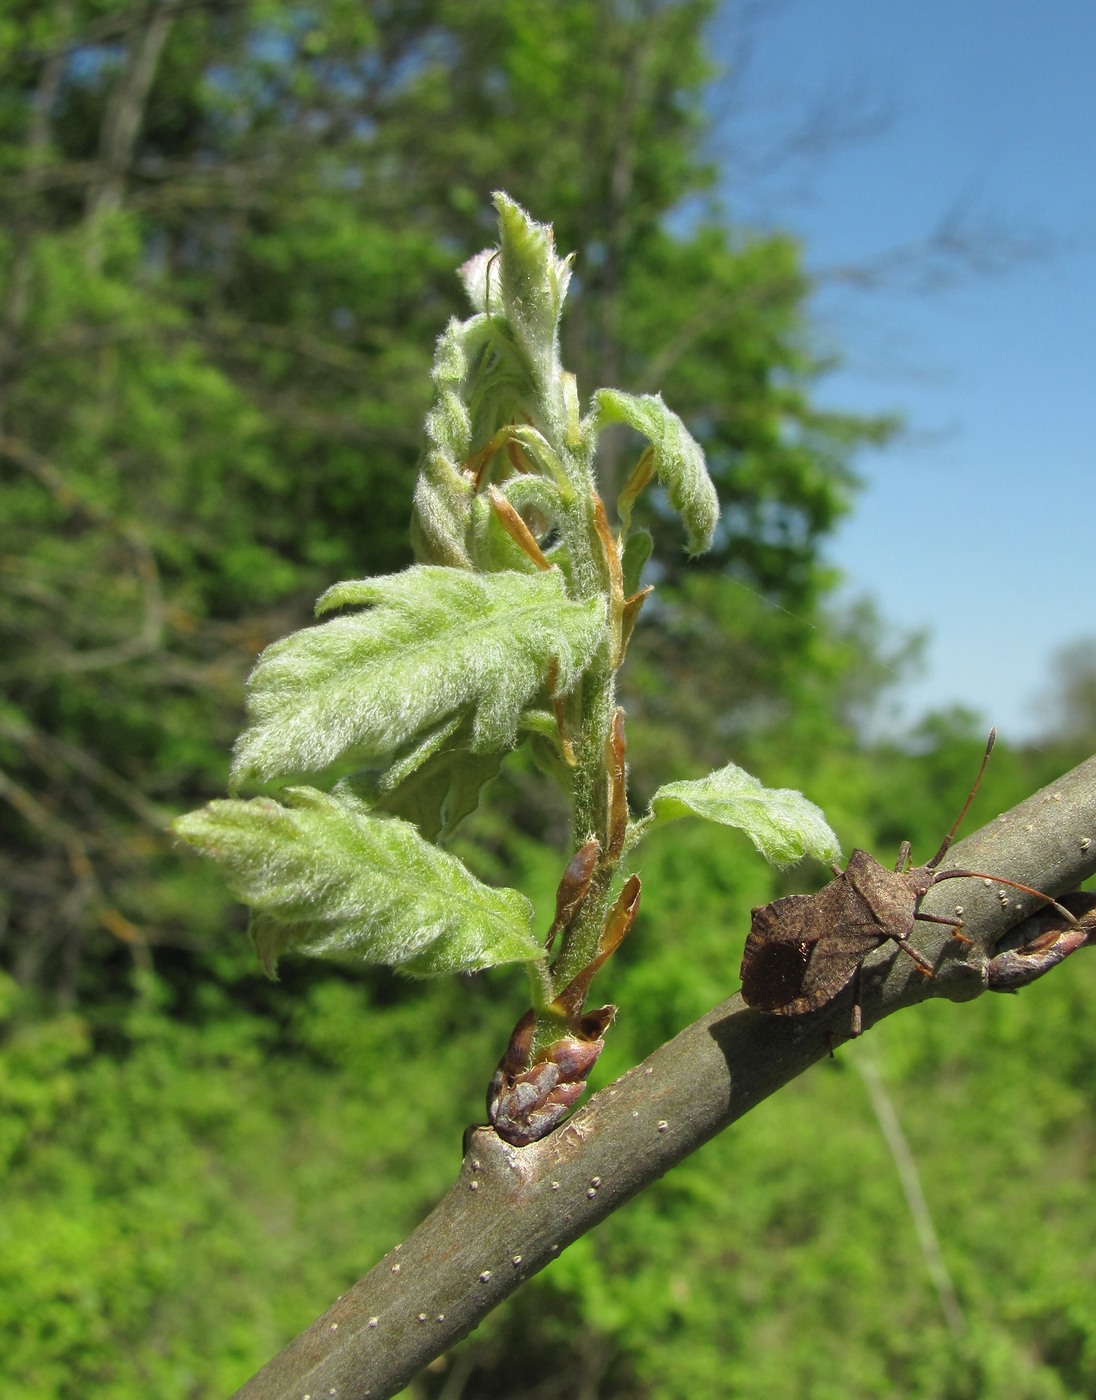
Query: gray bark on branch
{"x": 513, "y": 1210}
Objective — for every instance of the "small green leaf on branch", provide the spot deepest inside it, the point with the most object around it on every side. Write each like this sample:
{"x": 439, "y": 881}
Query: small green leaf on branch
{"x": 327, "y": 875}
{"x": 430, "y": 643}
{"x": 678, "y": 459}
{"x": 782, "y": 823}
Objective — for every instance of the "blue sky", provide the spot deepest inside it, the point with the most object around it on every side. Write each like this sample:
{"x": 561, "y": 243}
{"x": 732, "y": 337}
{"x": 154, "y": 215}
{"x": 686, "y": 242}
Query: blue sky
{"x": 974, "y": 524}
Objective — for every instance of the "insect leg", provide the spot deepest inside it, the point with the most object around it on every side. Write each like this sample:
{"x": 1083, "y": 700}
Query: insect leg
{"x": 856, "y": 1020}
{"x": 923, "y": 964}
{"x": 954, "y": 924}
{"x": 1000, "y": 880}
{"x": 857, "y": 1025}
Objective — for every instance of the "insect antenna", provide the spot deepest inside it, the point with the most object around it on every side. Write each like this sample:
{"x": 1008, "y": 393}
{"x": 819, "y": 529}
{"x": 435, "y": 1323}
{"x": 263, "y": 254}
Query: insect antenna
{"x": 1000, "y": 880}
{"x": 942, "y": 852}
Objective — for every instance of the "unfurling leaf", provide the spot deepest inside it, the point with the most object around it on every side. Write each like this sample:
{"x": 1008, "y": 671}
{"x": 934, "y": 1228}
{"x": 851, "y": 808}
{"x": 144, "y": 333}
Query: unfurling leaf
{"x": 443, "y": 493}
{"x": 443, "y": 509}
{"x": 782, "y": 823}
{"x": 533, "y": 283}
{"x": 326, "y": 874}
{"x": 430, "y": 644}
{"x": 436, "y": 784}
{"x": 678, "y": 458}
{"x": 448, "y": 423}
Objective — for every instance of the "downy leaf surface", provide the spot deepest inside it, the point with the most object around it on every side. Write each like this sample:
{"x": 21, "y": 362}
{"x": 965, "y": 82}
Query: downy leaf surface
{"x": 436, "y": 784}
{"x": 533, "y": 283}
{"x": 678, "y": 458}
{"x": 323, "y": 873}
{"x": 782, "y": 823}
{"x": 431, "y": 643}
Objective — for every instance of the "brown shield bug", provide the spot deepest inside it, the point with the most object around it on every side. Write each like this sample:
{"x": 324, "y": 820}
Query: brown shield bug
{"x": 803, "y": 950}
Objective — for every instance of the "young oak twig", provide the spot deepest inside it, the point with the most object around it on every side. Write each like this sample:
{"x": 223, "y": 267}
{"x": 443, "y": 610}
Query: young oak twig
{"x": 513, "y": 1210}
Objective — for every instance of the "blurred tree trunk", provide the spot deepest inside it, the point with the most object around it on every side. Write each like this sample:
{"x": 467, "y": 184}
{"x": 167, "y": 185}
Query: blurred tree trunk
{"x": 124, "y": 112}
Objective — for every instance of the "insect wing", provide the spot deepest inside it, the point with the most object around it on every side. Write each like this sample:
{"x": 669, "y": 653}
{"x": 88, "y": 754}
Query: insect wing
{"x": 776, "y": 958}
{"x": 803, "y": 949}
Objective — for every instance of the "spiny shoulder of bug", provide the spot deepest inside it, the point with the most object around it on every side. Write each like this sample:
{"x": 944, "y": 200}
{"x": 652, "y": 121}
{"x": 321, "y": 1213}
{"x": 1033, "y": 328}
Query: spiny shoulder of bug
{"x": 863, "y": 870}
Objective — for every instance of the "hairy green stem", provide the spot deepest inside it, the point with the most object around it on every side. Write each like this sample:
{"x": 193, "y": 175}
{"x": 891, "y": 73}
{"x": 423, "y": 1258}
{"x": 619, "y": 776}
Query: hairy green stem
{"x": 591, "y": 577}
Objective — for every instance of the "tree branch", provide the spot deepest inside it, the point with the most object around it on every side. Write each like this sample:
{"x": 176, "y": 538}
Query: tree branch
{"x": 906, "y": 1165}
{"x": 125, "y": 110}
{"x": 512, "y": 1210}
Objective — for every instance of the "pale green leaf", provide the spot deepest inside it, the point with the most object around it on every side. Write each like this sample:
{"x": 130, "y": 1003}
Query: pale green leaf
{"x": 442, "y": 512}
{"x": 431, "y": 643}
{"x": 420, "y": 751}
{"x": 637, "y": 550}
{"x": 491, "y": 547}
{"x": 536, "y": 499}
{"x": 326, "y": 874}
{"x": 678, "y": 458}
{"x": 446, "y": 789}
{"x": 436, "y": 784}
{"x": 533, "y": 282}
{"x": 443, "y": 493}
{"x": 782, "y": 823}
{"x": 448, "y": 424}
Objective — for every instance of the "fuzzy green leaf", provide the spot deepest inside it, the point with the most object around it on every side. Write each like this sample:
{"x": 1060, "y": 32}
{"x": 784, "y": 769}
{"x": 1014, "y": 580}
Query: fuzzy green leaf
{"x": 445, "y": 790}
{"x": 326, "y": 874}
{"x": 443, "y": 494}
{"x": 678, "y": 458}
{"x": 637, "y": 550}
{"x": 436, "y": 784}
{"x": 491, "y": 547}
{"x": 782, "y": 823}
{"x": 442, "y": 511}
{"x": 533, "y": 282}
{"x": 430, "y": 644}
{"x": 448, "y": 424}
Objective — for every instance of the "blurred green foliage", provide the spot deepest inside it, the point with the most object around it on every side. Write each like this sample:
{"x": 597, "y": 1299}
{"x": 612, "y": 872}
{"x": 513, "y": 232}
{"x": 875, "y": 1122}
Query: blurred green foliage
{"x": 228, "y": 239}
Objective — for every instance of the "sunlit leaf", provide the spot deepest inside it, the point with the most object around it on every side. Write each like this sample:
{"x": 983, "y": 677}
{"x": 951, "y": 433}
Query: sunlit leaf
{"x": 430, "y": 643}
{"x": 435, "y": 785}
{"x": 678, "y": 458}
{"x": 533, "y": 282}
{"x": 782, "y": 823}
{"x": 327, "y": 875}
